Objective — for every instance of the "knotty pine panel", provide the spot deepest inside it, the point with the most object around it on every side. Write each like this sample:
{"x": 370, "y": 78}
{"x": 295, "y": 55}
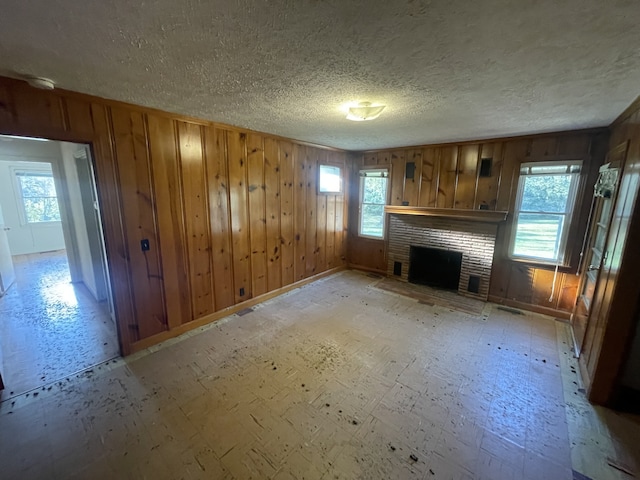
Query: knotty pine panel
{"x": 429, "y": 177}
{"x": 299, "y": 211}
{"x": 467, "y": 177}
{"x": 287, "y": 212}
{"x": 311, "y": 212}
{"x": 396, "y": 182}
{"x": 272, "y": 208}
{"x": 219, "y": 216}
{"x": 195, "y": 200}
{"x": 330, "y": 245}
{"x": 171, "y": 228}
{"x": 108, "y": 187}
{"x": 412, "y": 185}
{"x": 257, "y": 214}
{"x": 134, "y": 175}
{"x": 447, "y": 175}
{"x": 238, "y": 203}
{"x": 321, "y": 221}
{"x": 486, "y": 194}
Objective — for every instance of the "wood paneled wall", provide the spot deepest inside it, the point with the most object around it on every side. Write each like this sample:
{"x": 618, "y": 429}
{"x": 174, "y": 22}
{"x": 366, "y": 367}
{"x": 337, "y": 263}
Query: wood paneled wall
{"x": 616, "y": 302}
{"x": 448, "y": 176}
{"x": 229, "y": 214}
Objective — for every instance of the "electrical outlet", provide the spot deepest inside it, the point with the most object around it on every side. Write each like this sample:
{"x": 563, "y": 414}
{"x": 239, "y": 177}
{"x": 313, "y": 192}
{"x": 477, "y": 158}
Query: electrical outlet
{"x": 144, "y": 245}
{"x": 242, "y": 292}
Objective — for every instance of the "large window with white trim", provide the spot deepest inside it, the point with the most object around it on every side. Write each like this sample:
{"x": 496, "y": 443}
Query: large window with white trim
{"x": 373, "y": 198}
{"x": 544, "y": 207}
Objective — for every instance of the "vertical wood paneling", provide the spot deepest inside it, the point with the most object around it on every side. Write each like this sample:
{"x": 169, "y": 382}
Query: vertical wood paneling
{"x": 195, "y": 198}
{"x": 311, "y": 212}
{"x": 257, "y": 220}
{"x": 287, "y": 232}
{"x": 78, "y": 116}
{"x": 412, "y": 185}
{"x": 171, "y": 228}
{"x": 187, "y": 187}
{"x": 340, "y": 246}
{"x": 331, "y": 232}
{"x": 429, "y": 178}
{"x": 238, "y": 203}
{"x": 37, "y": 108}
{"x": 321, "y": 222}
{"x": 219, "y": 217}
{"x": 272, "y": 207}
{"x": 467, "y": 176}
{"x": 487, "y": 187}
{"x": 514, "y": 154}
{"x": 108, "y": 194}
{"x": 134, "y": 174}
{"x": 299, "y": 211}
{"x": 397, "y": 177}
{"x": 447, "y": 169}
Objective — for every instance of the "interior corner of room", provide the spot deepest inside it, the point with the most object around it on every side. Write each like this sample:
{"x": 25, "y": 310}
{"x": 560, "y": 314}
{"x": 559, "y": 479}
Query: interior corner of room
{"x": 172, "y": 223}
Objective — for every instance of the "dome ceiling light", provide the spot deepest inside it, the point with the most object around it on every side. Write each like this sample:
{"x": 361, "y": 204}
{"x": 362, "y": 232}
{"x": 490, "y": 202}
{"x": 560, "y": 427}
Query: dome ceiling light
{"x": 365, "y": 111}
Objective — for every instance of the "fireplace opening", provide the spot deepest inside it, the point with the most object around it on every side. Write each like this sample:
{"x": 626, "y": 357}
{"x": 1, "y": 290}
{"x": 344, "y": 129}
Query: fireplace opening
{"x": 435, "y": 267}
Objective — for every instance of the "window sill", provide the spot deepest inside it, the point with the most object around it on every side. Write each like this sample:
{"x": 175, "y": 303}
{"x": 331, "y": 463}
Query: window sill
{"x": 369, "y": 237}
{"x": 532, "y": 262}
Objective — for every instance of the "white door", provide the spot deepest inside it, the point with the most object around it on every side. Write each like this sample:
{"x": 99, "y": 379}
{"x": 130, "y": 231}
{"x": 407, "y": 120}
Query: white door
{"x": 7, "y": 274}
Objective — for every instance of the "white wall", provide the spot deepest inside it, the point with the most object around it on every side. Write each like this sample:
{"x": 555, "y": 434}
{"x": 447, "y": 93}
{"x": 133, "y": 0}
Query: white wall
{"x": 25, "y": 154}
{"x": 84, "y": 243}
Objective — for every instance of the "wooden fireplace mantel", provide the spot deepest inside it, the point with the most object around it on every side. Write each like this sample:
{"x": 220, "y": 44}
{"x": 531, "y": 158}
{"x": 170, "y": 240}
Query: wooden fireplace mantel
{"x": 487, "y": 216}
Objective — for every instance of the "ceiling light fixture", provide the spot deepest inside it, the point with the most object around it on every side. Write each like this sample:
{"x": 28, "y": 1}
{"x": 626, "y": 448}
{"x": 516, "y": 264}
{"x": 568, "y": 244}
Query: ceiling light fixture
{"x": 365, "y": 111}
{"x": 41, "y": 83}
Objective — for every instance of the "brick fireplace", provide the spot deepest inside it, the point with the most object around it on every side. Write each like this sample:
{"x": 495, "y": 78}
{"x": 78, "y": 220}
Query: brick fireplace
{"x": 473, "y": 238}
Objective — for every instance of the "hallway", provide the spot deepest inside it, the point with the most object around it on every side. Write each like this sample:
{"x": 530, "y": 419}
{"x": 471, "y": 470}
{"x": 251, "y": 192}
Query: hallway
{"x": 49, "y": 327}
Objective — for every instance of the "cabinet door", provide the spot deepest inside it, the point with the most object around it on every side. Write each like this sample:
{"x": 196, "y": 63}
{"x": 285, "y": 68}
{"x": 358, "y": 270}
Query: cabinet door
{"x": 594, "y": 250}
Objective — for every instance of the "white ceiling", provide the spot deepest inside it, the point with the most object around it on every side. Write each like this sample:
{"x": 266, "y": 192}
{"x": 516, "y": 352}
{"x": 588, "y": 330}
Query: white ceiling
{"x": 448, "y": 70}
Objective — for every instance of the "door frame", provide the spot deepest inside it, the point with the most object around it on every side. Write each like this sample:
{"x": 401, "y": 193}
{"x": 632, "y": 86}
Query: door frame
{"x": 109, "y": 202}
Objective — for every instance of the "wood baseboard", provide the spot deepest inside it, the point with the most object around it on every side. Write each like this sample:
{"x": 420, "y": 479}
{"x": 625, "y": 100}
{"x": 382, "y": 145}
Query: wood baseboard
{"x": 354, "y": 266}
{"x": 185, "y": 327}
{"x": 552, "y": 312}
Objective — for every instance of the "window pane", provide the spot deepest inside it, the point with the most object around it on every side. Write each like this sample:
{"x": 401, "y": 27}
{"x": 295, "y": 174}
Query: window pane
{"x": 330, "y": 179}
{"x": 375, "y": 190}
{"x": 538, "y": 235}
{"x": 37, "y": 185}
{"x": 546, "y": 193}
{"x": 371, "y": 220}
{"x": 39, "y": 197}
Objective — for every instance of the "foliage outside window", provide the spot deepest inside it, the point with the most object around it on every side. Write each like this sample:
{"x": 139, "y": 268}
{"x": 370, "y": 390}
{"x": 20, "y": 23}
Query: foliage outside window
{"x": 330, "y": 179}
{"x": 38, "y": 196}
{"x": 373, "y": 198}
{"x": 546, "y": 196}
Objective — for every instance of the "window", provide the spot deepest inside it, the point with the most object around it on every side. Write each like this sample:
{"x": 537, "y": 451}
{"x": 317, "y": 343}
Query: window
{"x": 373, "y": 198}
{"x": 37, "y": 194}
{"x": 546, "y": 195}
{"x": 330, "y": 179}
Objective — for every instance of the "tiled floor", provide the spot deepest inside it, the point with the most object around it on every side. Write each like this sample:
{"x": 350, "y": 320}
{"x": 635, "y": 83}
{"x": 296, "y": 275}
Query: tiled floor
{"x": 335, "y": 380}
{"x": 50, "y": 328}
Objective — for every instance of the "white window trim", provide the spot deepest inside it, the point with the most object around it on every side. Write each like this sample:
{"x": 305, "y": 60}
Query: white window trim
{"x": 15, "y": 173}
{"x": 361, "y": 174}
{"x": 568, "y": 216}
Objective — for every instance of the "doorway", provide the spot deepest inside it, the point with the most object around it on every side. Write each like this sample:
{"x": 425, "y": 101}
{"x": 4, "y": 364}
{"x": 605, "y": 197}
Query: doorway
{"x": 56, "y": 312}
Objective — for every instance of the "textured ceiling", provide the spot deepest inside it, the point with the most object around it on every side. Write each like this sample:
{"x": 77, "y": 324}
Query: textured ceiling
{"x": 448, "y": 70}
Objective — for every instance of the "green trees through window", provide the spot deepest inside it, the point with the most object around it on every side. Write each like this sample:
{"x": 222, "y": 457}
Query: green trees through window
{"x": 545, "y": 201}
{"x": 373, "y": 198}
{"x": 38, "y": 195}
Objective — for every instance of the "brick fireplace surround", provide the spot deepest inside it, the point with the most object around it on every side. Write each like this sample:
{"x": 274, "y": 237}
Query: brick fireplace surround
{"x": 475, "y": 239}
